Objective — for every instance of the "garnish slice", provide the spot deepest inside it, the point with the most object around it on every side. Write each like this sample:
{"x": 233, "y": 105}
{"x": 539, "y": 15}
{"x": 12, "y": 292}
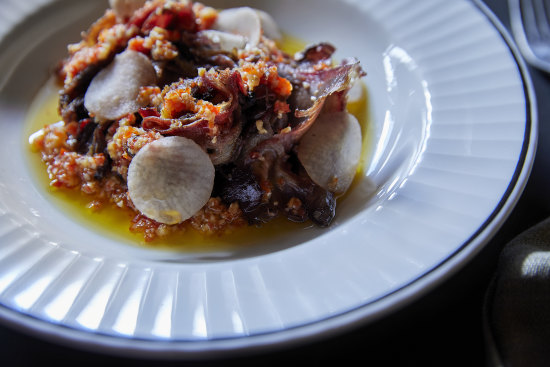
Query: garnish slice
{"x": 244, "y": 21}
{"x": 331, "y": 149}
{"x": 113, "y": 92}
{"x": 227, "y": 42}
{"x": 170, "y": 179}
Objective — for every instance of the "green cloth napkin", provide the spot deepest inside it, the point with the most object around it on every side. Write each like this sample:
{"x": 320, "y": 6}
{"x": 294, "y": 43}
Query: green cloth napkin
{"x": 517, "y": 305}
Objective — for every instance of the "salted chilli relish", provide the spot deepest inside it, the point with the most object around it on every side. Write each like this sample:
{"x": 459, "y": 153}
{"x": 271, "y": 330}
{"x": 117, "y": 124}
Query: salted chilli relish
{"x": 191, "y": 118}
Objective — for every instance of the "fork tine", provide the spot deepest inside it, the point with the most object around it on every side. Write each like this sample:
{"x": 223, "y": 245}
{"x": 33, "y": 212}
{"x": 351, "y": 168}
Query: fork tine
{"x": 529, "y": 16}
{"x": 540, "y": 8}
{"x": 530, "y": 26}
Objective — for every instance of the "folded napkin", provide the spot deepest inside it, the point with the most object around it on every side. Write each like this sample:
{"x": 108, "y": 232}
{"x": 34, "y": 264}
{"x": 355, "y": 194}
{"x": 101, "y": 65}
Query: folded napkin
{"x": 517, "y": 304}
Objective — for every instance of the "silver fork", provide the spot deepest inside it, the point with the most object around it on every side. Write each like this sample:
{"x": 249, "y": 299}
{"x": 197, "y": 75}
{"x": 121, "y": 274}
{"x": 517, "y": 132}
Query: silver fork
{"x": 531, "y": 29}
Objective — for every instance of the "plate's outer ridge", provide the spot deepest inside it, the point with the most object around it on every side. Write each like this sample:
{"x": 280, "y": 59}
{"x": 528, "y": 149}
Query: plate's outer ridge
{"x": 453, "y": 148}
{"x": 12, "y": 12}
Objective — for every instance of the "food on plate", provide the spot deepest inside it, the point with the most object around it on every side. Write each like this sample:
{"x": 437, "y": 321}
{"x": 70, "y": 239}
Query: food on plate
{"x": 170, "y": 179}
{"x": 188, "y": 116}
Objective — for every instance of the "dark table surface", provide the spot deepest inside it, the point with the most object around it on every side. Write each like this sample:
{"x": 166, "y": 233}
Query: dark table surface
{"x": 443, "y": 328}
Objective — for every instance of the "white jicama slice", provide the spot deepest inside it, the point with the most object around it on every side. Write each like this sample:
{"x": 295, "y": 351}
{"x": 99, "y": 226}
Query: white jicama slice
{"x": 113, "y": 92}
{"x": 269, "y": 25}
{"x": 227, "y": 42}
{"x": 330, "y": 151}
{"x": 170, "y": 179}
{"x": 125, "y": 8}
{"x": 244, "y": 21}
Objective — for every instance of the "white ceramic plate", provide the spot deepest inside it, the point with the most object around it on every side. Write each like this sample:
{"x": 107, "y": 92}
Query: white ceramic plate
{"x": 454, "y": 138}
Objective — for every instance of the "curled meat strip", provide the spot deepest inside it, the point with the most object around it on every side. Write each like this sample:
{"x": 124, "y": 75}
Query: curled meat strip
{"x": 205, "y": 109}
{"x": 330, "y": 82}
{"x": 272, "y": 162}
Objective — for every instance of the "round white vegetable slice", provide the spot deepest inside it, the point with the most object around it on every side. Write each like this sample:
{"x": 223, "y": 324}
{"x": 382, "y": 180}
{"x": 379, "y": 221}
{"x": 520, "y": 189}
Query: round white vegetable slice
{"x": 269, "y": 25}
{"x": 227, "y": 42}
{"x": 170, "y": 179}
{"x": 244, "y": 21}
{"x": 125, "y": 8}
{"x": 113, "y": 92}
{"x": 331, "y": 149}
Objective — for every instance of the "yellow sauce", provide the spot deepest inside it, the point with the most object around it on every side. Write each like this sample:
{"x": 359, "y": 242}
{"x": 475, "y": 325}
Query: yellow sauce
{"x": 114, "y": 223}
{"x": 290, "y": 44}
